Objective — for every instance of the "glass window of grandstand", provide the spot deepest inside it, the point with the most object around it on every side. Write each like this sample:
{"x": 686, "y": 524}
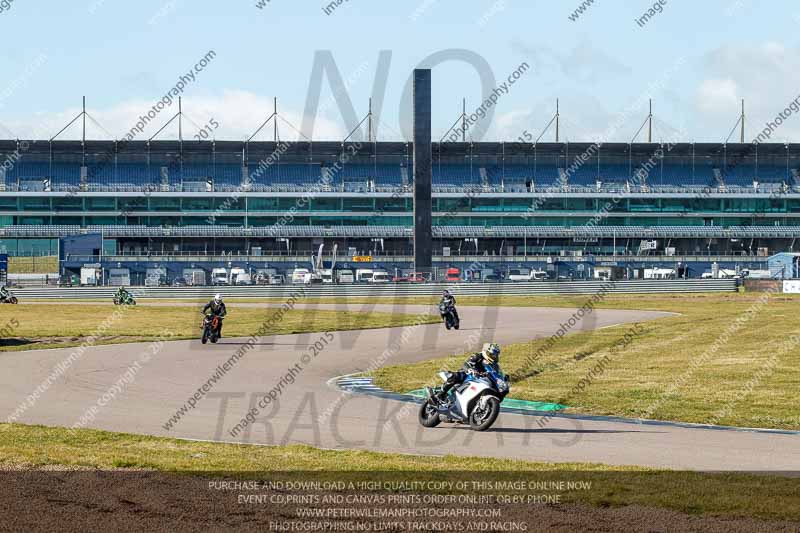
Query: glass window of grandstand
{"x": 35, "y": 247}
{"x": 133, "y": 203}
{"x": 384, "y": 205}
{"x": 68, "y": 203}
{"x": 165, "y": 203}
{"x": 358, "y": 204}
{"x": 101, "y": 221}
{"x": 102, "y": 203}
{"x": 8, "y": 203}
{"x": 229, "y": 203}
{"x": 67, "y": 221}
{"x": 452, "y": 205}
{"x": 517, "y": 204}
{"x": 197, "y": 203}
{"x": 326, "y": 204}
{"x": 263, "y": 204}
{"x": 260, "y": 222}
{"x": 34, "y": 203}
{"x": 217, "y": 221}
{"x": 580, "y": 204}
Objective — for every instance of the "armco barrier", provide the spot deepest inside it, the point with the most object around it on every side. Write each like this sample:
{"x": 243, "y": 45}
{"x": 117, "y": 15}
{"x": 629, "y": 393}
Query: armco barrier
{"x": 396, "y": 290}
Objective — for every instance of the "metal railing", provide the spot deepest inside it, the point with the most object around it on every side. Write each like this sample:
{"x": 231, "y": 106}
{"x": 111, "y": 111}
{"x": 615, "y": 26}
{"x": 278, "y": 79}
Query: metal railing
{"x": 393, "y": 290}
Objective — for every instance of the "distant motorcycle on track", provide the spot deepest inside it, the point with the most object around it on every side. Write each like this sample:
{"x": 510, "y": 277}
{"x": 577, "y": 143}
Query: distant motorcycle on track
{"x": 125, "y": 299}
{"x": 8, "y": 298}
{"x": 449, "y": 315}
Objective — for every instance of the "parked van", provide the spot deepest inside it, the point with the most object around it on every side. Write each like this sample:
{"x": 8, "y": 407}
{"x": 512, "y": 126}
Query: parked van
{"x": 380, "y": 276}
{"x": 219, "y": 276}
{"x": 660, "y": 273}
{"x": 240, "y": 276}
{"x": 301, "y": 275}
{"x": 326, "y": 275}
{"x": 538, "y": 275}
{"x": 345, "y": 276}
{"x": 195, "y": 277}
{"x": 364, "y": 275}
{"x": 519, "y": 274}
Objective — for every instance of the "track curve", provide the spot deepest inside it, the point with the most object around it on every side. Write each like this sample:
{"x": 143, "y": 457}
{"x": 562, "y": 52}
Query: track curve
{"x": 309, "y": 411}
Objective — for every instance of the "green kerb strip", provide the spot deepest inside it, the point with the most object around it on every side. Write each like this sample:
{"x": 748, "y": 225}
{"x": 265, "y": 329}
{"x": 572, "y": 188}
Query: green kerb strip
{"x": 511, "y": 403}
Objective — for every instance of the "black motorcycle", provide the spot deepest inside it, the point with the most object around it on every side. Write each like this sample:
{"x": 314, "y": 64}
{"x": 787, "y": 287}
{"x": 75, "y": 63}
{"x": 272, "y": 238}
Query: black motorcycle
{"x": 449, "y": 315}
{"x": 211, "y": 328}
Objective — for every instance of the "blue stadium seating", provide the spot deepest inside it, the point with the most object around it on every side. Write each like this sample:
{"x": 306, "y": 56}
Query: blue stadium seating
{"x": 383, "y": 174}
{"x": 744, "y": 175}
{"x": 285, "y": 173}
{"x": 456, "y": 175}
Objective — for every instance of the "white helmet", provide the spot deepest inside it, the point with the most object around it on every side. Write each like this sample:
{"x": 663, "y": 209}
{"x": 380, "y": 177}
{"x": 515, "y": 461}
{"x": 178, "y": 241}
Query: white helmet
{"x": 218, "y": 298}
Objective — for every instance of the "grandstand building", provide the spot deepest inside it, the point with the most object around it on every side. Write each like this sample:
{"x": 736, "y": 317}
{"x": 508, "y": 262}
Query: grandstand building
{"x": 564, "y": 207}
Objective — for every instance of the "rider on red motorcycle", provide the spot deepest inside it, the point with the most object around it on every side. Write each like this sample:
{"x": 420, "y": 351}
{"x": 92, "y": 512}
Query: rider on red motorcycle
{"x": 218, "y": 309}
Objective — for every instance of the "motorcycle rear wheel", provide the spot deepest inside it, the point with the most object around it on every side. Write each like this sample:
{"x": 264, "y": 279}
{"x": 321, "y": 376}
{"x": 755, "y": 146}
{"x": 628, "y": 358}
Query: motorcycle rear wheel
{"x": 481, "y": 420}
{"x": 13, "y": 300}
{"x": 428, "y": 415}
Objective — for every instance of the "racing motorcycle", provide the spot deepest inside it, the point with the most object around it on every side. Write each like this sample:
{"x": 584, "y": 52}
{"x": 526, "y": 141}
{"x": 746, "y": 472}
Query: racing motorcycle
{"x": 475, "y": 402}
{"x": 8, "y": 299}
{"x": 126, "y": 299}
{"x": 448, "y": 313}
{"x": 211, "y": 326}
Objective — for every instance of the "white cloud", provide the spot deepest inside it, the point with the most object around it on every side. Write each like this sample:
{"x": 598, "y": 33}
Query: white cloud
{"x": 239, "y": 113}
{"x": 718, "y": 97}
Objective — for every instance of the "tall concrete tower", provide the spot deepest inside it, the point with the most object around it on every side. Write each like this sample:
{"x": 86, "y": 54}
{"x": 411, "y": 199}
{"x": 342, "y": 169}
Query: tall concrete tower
{"x": 423, "y": 156}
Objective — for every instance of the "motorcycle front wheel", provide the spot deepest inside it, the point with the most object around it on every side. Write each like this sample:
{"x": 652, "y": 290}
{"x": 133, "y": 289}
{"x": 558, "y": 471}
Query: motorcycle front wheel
{"x": 482, "y": 419}
{"x": 13, "y": 300}
{"x": 429, "y": 415}
{"x": 205, "y": 336}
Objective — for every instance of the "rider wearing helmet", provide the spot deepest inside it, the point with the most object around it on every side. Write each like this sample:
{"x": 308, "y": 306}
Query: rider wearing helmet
{"x": 478, "y": 363}
{"x": 449, "y": 301}
{"x": 122, "y": 292}
{"x": 217, "y": 308}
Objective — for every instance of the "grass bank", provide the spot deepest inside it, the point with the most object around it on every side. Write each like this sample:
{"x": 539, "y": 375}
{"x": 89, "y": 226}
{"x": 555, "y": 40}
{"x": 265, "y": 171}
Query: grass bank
{"x": 763, "y": 497}
{"x": 62, "y": 325}
{"x": 724, "y": 359}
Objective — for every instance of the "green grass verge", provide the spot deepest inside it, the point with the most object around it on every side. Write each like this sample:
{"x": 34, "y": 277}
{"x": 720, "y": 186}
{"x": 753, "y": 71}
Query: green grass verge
{"x": 42, "y": 326}
{"x": 766, "y": 497}
{"x": 739, "y": 383}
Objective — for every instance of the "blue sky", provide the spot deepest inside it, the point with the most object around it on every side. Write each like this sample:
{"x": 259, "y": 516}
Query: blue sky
{"x": 124, "y": 56}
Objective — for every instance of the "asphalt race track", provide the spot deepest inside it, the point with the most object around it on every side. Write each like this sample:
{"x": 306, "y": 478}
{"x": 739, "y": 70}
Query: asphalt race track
{"x": 310, "y": 411}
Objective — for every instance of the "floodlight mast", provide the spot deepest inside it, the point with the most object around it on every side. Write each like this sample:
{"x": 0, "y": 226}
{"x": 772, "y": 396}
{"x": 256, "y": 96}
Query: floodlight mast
{"x": 649, "y": 121}
{"x": 461, "y": 118}
{"x": 740, "y": 124}
{"x": 554, "y": 119}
